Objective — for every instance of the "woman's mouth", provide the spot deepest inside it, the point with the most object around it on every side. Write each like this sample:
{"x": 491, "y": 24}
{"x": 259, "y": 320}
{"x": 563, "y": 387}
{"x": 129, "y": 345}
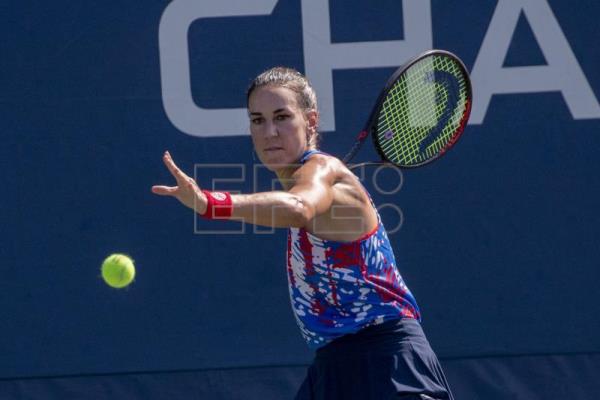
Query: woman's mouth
{"x": 274, "y": 148}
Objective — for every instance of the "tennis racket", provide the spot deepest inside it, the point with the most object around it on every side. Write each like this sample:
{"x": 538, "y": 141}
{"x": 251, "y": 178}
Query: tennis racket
{"x": 421, "y": 112}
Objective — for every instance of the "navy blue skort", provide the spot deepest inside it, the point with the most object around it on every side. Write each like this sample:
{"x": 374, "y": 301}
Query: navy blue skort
{"x": 392, "y": 360}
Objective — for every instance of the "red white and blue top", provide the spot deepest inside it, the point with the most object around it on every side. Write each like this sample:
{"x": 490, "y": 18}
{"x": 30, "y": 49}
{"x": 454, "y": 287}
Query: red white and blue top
{"x": 338, "y": 288}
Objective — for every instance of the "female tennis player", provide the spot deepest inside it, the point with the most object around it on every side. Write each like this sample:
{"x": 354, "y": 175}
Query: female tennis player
{"x": 349, "y": 299}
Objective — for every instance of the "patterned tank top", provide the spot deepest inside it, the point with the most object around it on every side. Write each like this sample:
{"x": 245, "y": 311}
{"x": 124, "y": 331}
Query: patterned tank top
{"x": 338, "y": 288}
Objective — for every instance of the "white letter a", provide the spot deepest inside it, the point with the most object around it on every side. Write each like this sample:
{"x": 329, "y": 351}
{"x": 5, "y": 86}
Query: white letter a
{"x": 563, "y": 73}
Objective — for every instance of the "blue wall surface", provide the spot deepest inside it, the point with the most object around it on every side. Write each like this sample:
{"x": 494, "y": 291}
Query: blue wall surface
{"x": 498, "y": 240}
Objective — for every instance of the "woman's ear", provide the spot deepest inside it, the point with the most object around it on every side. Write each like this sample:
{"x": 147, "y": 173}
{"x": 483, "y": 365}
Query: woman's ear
{"x": 312, "y": 118}
{"x": 312, "y": 124}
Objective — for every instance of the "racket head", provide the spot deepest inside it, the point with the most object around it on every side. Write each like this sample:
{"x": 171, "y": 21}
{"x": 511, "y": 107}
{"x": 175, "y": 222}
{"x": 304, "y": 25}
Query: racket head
{"x": 422, "y": 111}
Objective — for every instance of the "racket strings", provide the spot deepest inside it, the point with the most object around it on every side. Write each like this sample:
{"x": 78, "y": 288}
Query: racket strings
{"x": 419, "y": 126}
{"x": 408, "y": 132}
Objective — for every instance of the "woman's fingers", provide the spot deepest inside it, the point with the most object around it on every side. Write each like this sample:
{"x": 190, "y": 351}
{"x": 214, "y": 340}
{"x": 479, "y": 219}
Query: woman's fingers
{"x": 175, "y": 171}
{"x": 164, "y": 190}
{"x": 186, "y": 190}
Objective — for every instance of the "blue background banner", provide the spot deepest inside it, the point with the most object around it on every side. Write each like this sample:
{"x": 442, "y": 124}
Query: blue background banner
{"x": 497, "y": 240}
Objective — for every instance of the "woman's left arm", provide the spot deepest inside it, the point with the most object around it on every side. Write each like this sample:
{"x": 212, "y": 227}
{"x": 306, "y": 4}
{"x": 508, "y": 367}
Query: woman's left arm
{"x": 310, "y": 193}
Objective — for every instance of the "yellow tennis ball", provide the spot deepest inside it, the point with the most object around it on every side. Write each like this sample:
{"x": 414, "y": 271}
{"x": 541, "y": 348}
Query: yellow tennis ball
{"x": 118, "y": 270}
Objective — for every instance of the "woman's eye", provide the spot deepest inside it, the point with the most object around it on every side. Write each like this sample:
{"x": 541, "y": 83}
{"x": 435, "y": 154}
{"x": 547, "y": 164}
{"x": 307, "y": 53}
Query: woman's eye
{"x": 256, "y": 121}
{"x": 282, "y": 117}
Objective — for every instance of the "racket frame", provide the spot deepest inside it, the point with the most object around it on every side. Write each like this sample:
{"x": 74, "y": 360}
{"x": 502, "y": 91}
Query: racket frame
{"x": 371, "y": 124}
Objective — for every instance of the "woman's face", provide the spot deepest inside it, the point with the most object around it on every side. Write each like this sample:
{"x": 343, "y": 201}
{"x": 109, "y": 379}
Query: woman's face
{"x": 279, "y": 127}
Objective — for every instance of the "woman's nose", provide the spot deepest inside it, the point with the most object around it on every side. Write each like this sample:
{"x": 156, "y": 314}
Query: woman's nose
{"x": 271, "y": 129}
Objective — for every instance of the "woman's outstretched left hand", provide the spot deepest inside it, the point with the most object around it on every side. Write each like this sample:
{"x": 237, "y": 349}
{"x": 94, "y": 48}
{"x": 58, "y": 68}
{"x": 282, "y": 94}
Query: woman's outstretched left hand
{"x": 187, "y": 190}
